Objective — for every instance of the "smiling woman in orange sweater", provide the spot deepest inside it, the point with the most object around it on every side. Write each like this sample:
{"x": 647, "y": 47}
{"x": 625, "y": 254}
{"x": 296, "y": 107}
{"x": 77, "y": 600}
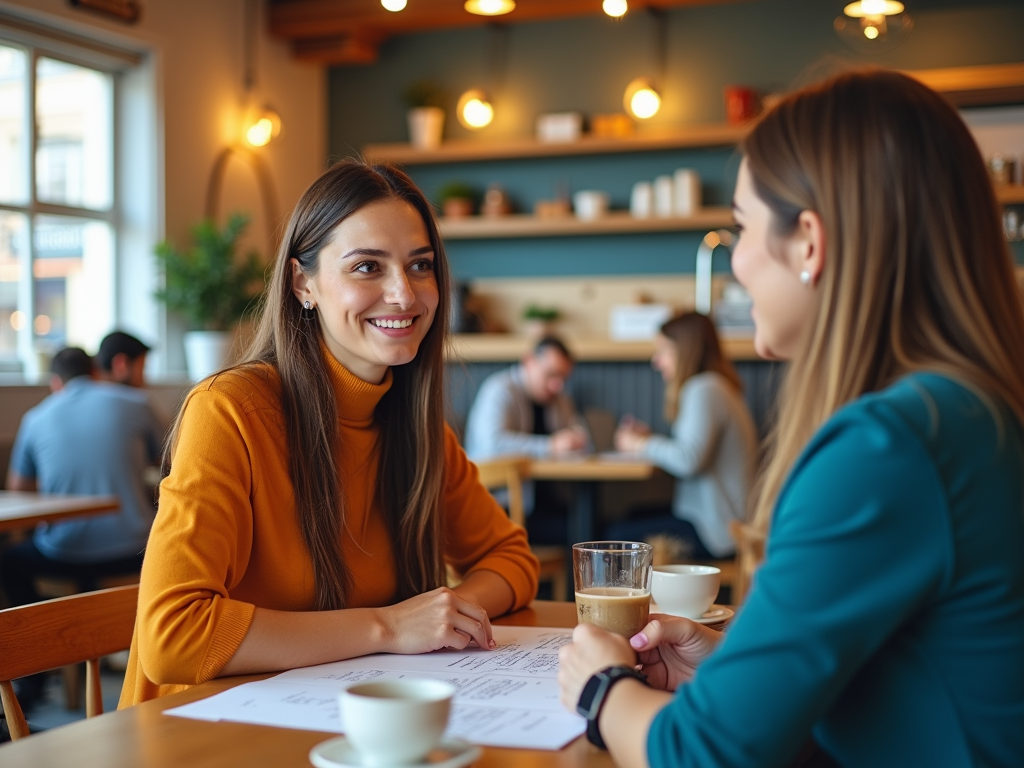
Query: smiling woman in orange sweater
{"x": 313, "y": 493}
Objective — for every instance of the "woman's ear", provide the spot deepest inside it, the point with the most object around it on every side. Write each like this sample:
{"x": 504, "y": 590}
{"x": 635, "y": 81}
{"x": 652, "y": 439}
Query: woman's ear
{"x": 809, "y": 245}
{"x": 300, "y": 282}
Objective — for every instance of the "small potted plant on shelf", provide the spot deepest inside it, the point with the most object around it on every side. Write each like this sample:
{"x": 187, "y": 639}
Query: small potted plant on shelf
{"x": 539, "y": 321}
{"x": 211, "y": 288}
{"x": 458, "y": 200}
{"x": 426, "y": 114}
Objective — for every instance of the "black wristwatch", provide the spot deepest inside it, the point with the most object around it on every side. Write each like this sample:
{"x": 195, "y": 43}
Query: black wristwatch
{"x": 595, "y": 692}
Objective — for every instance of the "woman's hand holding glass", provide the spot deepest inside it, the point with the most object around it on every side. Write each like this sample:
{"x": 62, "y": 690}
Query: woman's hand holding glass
{"x": 591, "y": 650}
{"x": 631, "y": 436}
{"x": 671, "y": 649}
{"x": 433, "y": 620}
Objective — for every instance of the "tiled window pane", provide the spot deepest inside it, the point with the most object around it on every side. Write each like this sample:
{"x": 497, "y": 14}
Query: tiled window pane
{"x": 13, "y": 146}
{"x": 74, "y": 116}
{"x": 74, "y": 286}
{"x": 13, "y": 247}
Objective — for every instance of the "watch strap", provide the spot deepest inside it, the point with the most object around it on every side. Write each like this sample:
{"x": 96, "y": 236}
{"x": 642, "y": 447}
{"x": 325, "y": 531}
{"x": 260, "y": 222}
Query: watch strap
{"x": 595, "y": 693}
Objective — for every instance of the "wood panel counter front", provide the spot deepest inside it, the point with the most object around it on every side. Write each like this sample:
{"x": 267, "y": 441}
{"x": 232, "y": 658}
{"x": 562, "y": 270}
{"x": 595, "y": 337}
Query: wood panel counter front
{"x": 144, "y": 737}
{"x": 507, "y": 347}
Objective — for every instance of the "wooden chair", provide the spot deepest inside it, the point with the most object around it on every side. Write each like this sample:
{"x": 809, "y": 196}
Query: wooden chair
{"x": 55, "y": 633}
{"x": 750, "y": 544}
{"x": 508, "y": 473}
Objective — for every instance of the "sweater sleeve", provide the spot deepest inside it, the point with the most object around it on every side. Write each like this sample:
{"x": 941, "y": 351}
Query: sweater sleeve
{"x": 188, "y": 626}
{"x": 858, "y": 545}
{"x": 493, "y": 427}
{"x": 695, "y": 433}
{"x": 478, "y": 533}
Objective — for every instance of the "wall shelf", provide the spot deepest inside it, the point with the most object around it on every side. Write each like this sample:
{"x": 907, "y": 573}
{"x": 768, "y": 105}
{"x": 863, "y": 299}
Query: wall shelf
{"x": 1010, "y": 193}
{"x": 507, "y": 347}
{"x": 524, "y": 225}
{"x": 711, "y": 135}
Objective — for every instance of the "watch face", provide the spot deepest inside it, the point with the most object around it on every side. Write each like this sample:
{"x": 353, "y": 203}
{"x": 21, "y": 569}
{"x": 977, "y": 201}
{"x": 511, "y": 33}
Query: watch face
{"x": 587, "y": 697}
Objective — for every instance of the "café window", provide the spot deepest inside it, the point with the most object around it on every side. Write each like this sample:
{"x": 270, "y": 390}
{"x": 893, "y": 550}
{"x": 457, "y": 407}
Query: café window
{"x": 58, "y": 204}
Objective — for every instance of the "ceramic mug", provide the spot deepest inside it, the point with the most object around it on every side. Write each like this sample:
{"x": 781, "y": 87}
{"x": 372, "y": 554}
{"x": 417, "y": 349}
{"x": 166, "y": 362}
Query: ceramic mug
{"x": 685, "y": 590}
{"x": 590, "y": 204}
{"x": 395, "y": 722}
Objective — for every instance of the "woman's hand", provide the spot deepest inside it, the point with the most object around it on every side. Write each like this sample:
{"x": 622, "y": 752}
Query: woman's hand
{"x": 591, "y": 650}
{"x": 672, "y": 648}
{"x": 631, "y": 436}
{"x": 433, "y": 620}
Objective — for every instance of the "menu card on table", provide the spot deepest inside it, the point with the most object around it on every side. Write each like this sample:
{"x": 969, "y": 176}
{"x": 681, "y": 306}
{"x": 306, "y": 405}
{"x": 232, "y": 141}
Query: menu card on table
{"x": 507, "y": 697}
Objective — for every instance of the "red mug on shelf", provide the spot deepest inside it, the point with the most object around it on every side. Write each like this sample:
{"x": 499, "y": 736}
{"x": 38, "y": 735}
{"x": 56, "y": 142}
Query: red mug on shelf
{"x": 740, "y": 103}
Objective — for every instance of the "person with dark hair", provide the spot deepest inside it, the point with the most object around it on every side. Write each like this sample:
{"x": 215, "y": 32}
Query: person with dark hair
{"x": 122, "y": 359}
{"x": 68, "y": 364}
{"x": 887, "y": 619}
{"x": 88, "y": 437}
{"x": 710, "y": 452}
{"x": 525, "y": 411}
{"x": 312, "y": 494}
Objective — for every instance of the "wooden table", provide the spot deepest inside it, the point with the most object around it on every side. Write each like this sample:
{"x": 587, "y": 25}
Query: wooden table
{"x": 143, "y": 737}
{"x": 585, "y": 473}
{"x": 23, "y": 510}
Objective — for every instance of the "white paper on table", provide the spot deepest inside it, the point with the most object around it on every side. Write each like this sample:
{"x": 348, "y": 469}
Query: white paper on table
{"x": 507, "y": 697}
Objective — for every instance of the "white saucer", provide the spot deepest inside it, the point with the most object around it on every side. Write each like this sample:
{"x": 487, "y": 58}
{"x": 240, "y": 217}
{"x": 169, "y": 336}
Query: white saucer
{"x": 450, "y": 753}
{"x": 716, "y": 614}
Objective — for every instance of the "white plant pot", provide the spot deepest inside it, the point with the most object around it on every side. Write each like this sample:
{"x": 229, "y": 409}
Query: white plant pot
{"x": 206, "y": 352}
{"x": 426, "y": 125}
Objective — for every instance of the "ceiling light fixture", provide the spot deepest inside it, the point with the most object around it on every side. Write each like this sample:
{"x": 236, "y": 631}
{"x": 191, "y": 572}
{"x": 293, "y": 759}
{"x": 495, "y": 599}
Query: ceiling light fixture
{"x": 873, "y": 25}
{"x": 641, "y": 99}
{"x": 474, "y": 110}
{"x": 393, "y": 5}
{"x": 615, "y": 8}
{"x": 490, "y": 7}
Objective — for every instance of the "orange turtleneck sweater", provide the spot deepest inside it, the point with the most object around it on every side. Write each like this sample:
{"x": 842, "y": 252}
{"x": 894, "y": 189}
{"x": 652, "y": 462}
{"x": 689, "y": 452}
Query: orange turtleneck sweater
{"x": 226, "y": 539}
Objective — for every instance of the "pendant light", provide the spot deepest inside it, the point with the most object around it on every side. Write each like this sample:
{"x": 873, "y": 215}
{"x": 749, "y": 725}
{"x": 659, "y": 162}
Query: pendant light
{"x": 393, "y": 5}
{"x": 490, "y": 7}
{"x": 260, "y": 122}
{"x": 615, "y": 8}
{"x": 475, "y": 110}
{"x": 873, "y": 25}
{"x": 642, "y": 99}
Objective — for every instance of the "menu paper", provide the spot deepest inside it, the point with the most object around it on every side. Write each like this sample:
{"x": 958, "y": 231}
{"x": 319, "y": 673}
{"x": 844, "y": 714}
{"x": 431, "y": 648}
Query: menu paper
{"x": 507, "y": 697}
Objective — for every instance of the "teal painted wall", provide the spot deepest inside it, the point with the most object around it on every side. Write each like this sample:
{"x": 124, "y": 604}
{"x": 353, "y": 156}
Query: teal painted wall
{"x": 584, "y": 64}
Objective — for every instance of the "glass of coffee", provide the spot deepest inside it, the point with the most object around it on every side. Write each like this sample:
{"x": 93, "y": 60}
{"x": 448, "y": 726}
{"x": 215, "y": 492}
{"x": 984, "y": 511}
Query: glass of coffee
{"x": 613, "y": 584}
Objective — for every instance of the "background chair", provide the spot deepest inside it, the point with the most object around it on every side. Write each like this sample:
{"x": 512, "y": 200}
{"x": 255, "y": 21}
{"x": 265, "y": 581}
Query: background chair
{"x": 749, "y": 554}
{"x": 55, "y": 633}
{"x": 508, "y": 473}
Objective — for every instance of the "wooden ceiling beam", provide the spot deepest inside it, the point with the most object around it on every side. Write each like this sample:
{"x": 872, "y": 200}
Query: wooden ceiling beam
{"x": 316, "y": 26}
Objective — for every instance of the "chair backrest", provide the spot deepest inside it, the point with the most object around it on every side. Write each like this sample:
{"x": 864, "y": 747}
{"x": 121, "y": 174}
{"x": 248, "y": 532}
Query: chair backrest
{"x": 55, "y": 633}
{"x": 507, "y": 472}
{"x": 749, "y": 554}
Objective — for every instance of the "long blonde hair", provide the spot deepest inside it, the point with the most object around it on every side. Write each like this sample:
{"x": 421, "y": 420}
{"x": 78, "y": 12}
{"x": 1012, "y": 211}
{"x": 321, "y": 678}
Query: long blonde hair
{"x": 697, "y": 350}
{"x": 410, "y": 416}
{"x": 917, "y": 274}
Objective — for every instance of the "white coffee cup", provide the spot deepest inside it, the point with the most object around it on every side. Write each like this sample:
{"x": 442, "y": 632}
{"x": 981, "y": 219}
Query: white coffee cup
{"x": 664, "y": 194}
{"x": 687, "y": 192}
{"x": 641, "y": 200}
{"x": 590, "y": 204}
{"x": 395, "y": 722}
{"x": 685, "y": 590}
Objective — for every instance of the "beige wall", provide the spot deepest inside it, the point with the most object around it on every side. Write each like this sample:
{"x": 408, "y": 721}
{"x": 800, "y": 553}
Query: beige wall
{"x": 197, "y": 49}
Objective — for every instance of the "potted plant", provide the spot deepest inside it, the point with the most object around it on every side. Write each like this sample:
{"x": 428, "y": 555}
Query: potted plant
{"x": 458, "y": 200}
{"x": 426, "y": 114}
{"x": 539, "y": 321}
{"x": 211, "y": 288}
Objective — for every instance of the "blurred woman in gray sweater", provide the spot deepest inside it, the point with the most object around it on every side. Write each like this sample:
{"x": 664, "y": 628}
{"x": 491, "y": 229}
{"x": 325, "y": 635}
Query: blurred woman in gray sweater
{"x": 711, "y": 449}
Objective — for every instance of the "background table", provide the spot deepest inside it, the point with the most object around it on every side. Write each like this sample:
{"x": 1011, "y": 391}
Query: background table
{"x": 585, "y": 473}
{"x": 19, "y": 509}
{"x": 143, "y": 737}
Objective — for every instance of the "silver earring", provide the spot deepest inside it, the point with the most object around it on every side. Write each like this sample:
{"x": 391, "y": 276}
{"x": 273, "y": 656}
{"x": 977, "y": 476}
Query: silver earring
{"x": 805, "y": 278}
{"x": 307, "y": 305}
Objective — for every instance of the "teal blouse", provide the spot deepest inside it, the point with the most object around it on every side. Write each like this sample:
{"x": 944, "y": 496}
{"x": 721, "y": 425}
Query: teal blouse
{"x": 888, "y": 618}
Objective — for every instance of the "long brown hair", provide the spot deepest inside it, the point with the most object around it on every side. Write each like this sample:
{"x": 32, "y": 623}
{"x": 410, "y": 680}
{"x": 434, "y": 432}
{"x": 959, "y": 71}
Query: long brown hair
{"x": 917, "y": 274}
{"x": 697, "y": 350}
{"x": 410, "y": 416}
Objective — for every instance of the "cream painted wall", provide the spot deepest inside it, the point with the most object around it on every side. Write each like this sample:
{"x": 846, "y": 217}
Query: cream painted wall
{"x": 197, "y": 60}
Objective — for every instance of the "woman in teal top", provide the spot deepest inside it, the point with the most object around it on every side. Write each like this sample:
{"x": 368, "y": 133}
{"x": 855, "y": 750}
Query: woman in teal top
{"x": 887, "y": 620}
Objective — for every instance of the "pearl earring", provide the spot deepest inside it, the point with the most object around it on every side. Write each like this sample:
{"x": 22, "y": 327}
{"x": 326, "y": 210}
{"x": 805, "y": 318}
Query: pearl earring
{"x": 805, "y": 278}
{"x": 307, "y": 305}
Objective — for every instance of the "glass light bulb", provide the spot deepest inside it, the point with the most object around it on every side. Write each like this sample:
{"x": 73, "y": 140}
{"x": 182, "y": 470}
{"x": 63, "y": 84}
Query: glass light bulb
{"x": 477, "y": 113}
{"x": 615, "y": 8}
{"x": 393, "y": 5}
{"x": 260, "y": 132}
{"x": 872, "y": 7}
{"x": 870, "y": 32}
{"x": 645, "y": 103}
{"x": 490, "y": 7}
